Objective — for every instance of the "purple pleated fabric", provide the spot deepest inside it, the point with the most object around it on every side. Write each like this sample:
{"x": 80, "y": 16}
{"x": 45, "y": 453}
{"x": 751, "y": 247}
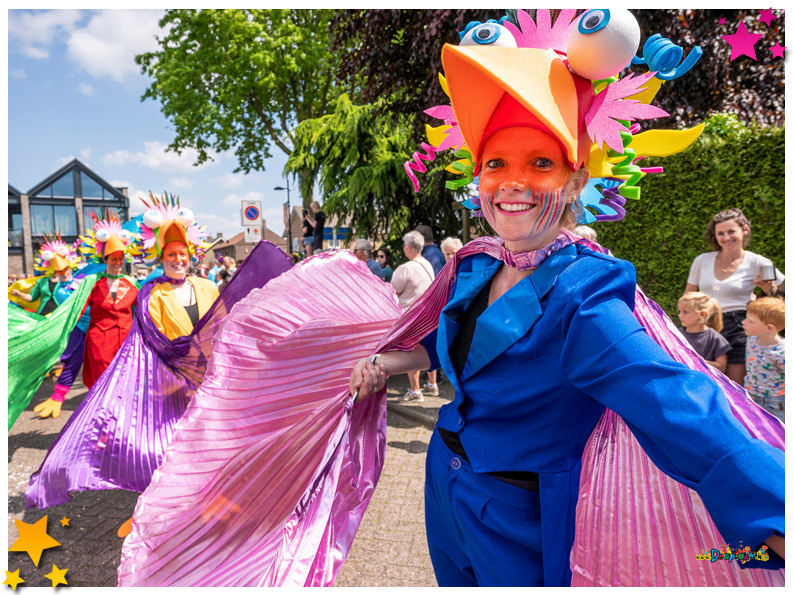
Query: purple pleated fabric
{"x": 278, "y": 498}
{"x": 116, "y": 437}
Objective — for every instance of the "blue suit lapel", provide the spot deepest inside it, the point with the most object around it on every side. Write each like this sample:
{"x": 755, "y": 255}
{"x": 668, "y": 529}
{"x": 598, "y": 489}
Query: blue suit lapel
{"x": 513, "y": 315}
{"x": 467, "y": 286}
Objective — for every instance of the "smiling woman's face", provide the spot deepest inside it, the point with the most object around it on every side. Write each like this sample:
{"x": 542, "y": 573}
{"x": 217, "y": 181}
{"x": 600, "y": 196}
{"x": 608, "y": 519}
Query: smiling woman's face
{"x": 523, "y": 186}
{"x": 175, "y": 260}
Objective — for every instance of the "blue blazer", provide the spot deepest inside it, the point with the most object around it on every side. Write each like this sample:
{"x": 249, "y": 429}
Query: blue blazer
{"x": 550, "y": 355}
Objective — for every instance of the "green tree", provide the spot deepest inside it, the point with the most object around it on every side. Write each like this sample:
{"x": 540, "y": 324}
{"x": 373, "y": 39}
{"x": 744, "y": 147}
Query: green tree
{"x": 356, "y": 155}
{"x": 241, "y": 79}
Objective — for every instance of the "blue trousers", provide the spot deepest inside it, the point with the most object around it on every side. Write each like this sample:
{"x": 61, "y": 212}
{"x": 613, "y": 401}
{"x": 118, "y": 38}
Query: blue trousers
{"x": 72, "y": 357}
{"x": 481, "y": 531}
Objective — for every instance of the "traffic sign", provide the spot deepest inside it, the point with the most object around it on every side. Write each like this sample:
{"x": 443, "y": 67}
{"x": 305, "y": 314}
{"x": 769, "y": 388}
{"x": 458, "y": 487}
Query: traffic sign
{"x": 253, "y": 233}
{"x": 251, "y": 211}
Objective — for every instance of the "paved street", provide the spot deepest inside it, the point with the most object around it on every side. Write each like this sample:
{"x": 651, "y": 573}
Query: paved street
{"x": 389, "y": 549}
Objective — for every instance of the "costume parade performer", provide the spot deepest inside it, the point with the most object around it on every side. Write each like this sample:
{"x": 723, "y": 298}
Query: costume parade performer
{"x": 36, "y": 340}
{"x": 504, "y": 466}
{"x": 171, "y": 238}
{"x": 116, "y": 437}
{"x": 536, "y": 475}
{"x": 109, "y": 310}
{"x": 537, "y": 481}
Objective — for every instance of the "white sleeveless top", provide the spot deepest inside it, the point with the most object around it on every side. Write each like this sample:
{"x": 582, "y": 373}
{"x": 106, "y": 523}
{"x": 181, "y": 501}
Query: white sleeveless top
{"x": 734, "y": 292}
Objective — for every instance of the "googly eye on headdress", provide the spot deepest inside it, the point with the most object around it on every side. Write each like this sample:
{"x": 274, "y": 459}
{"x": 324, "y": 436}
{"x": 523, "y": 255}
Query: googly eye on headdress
{"x": 185, "y": 216}
{"x": 602, "y": 43}
{"x": 152, "y": 218}
{"x": 489, "y": 33}
{"x": 47, "y": 254}
{"x": 125, "y": 236}
{"x": 102, "y": 235}
{"x": 63, "y": 251}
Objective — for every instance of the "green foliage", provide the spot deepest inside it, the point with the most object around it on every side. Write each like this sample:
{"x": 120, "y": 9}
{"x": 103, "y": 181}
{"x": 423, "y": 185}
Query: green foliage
{"x": 240, "y": 79}
{"x": 730, "y": 166}
{"x": 356, "y": 155}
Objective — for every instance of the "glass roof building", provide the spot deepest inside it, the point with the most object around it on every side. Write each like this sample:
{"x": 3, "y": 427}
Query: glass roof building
{"x": 60, "y": 202}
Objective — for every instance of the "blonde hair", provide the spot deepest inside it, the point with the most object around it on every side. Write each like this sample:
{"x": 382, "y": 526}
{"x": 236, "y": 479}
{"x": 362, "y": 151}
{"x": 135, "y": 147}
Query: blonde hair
{"x": 585, "y": 231}
{"x": 769, "y": 310}
{"x": 700, "y": 302}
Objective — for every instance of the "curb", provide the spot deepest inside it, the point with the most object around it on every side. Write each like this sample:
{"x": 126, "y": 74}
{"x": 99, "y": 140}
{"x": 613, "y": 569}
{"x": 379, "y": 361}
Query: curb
{"x": 412, "y": 414}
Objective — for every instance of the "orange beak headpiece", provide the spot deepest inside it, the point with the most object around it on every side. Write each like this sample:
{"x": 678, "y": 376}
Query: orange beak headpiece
{"x": 164, "y": 221}
{"x": 55, "y": 255}
{"x": 106, "y": 237}
{"x": 556, "y": 78}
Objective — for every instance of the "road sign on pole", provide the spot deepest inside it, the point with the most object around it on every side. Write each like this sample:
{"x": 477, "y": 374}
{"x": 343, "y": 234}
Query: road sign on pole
{"x": 253, "y": 233}
{"x": 251, "y": 211}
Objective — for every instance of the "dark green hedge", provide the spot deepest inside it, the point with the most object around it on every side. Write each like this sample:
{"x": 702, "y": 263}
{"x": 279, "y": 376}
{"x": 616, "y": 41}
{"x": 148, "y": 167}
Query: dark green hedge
{"x": 729, "y": 166}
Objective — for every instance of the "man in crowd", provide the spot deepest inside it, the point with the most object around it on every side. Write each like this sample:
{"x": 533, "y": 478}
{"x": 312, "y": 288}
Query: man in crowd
{"x": 431, "y": 252}
{"x": 317, "y": 223}
{"x": 363, "y": 251}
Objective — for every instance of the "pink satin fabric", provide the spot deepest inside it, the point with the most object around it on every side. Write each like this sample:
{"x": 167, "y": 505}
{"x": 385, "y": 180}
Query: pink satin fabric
{"x": 271, "y": 468}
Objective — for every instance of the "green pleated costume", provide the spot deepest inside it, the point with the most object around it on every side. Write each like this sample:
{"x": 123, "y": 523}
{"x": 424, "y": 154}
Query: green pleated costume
{"x": 35, "y": 343}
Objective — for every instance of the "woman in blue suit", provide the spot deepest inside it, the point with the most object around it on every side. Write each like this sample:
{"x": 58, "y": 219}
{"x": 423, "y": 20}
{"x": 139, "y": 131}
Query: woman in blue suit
{"x": 539, "y": 341}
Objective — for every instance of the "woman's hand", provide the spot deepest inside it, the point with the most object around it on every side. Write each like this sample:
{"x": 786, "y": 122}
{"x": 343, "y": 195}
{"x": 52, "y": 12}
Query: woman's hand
{"x": 368, "y": 377}
{"x": 768, "y": 287}
{"x": 22, "y": 296}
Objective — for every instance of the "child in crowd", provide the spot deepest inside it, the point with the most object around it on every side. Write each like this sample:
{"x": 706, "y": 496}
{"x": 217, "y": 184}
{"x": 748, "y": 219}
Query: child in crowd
{"x": 766, "y": 353}
{"x": 701, "y": 320}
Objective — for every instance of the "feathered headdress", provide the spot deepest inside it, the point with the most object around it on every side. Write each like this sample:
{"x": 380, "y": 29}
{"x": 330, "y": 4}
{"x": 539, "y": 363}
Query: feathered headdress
{"x": 165, "y": 220}
{"x": 560, "y": 78}
{"x": 56, "y": 255}
{"x": 106, "y": 238}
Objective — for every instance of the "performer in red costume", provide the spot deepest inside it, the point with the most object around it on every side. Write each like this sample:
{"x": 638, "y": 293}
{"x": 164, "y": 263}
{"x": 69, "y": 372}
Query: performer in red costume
{"x": 112, "y": 298}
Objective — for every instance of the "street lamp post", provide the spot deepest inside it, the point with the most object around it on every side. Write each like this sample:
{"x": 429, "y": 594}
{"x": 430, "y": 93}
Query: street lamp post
{"x": 289, "y": 219}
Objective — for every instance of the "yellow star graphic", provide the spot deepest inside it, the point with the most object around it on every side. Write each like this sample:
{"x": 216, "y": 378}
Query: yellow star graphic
{"x": 65, "y": 522}
{"x": 57, "y": 576}
{"x": 12, "y": 579}
{"x": 33, "y": 539}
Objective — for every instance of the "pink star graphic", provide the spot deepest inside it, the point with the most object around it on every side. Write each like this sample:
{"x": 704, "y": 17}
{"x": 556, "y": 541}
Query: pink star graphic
{"x": 777, "y": 50}
{"x": 742, "y": 42}
{"x": 767, "y": 17}
{"x": 722, "y": 21}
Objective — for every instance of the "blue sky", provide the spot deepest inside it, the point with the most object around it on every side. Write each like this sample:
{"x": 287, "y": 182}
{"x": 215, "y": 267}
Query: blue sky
{"x": 74, "y": 91}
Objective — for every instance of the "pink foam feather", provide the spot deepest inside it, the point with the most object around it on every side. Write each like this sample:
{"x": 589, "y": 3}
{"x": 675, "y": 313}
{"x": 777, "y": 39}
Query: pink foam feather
{"x": 611, "y": 105}
{"x": 542, "y": 35}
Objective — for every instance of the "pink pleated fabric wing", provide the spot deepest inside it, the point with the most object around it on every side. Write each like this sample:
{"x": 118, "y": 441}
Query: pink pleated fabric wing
{"x": 271, "y": 467}
{"x": 635, "y": 526}
{"x": 270, "y": 470}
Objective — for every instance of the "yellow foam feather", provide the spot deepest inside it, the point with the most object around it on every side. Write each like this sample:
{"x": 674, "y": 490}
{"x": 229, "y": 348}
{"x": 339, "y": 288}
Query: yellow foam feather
{"x": 443, "y": 81}
{"x": 651, "y": 89}
{"x": 663, "y": 143}
{"x": 437, "y": 134}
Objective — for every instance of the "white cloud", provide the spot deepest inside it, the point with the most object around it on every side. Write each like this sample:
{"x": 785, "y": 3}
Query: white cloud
{"x": 107, "y": 46}
{"x": 85, "y": 89}
{"x": 17, "y": 73}
{"x": 231, "y": 181}
{"x": 233, "y": 200}
{"x": 32, "y": 32}
{"x": 156, "y": 157}
{"x": 181, "y": 183}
